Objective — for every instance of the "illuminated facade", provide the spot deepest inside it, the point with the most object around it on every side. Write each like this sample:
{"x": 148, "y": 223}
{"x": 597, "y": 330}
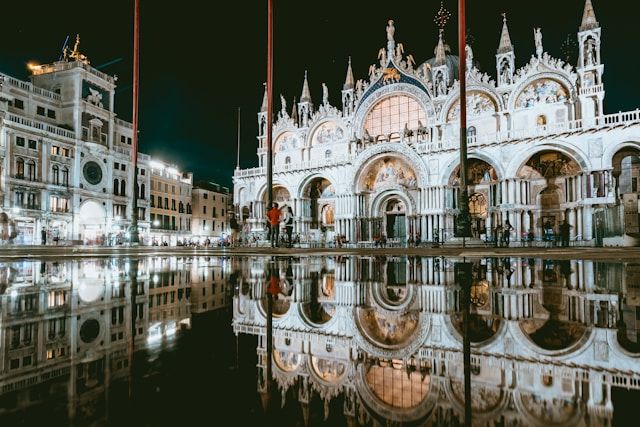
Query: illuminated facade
{"x": 550, "y": 340}
{"x": 541, "y": 150}
{"x": 211, "y": 204}
{"x": 65, "y": 158}
{"x": 170, "y": 203}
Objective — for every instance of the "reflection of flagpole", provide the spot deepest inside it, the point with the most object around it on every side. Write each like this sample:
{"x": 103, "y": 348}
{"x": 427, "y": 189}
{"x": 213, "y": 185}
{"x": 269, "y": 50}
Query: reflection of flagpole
{"x": 463, "y": 276}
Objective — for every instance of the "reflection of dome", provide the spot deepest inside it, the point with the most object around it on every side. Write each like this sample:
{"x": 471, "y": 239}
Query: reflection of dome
{"x": 90, "y": 289}
{"x": 387, "y": 330}
{"x": 286, "y": 360}
{"x": 481, "y": 328}
{"x": 280, "y": 305}
{"x": 553, "y": 334}
{"x": 390, "y": 383}
{"x": 328, "y": 370}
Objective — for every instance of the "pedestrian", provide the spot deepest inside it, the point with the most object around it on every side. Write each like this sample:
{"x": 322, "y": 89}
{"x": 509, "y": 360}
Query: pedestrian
{"x": 43, "y": 235}
{"x": 506, "y": 233}
{"x": 273, "y": 217}
{"x": 288, "y": 224}
{"x": 417, "y": 239}
{"x": 530, "y": 237}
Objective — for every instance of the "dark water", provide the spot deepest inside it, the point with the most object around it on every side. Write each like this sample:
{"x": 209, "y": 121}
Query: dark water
{"x": 165, "y": 341}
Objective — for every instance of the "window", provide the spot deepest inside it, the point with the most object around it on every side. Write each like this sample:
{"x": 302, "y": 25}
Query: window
{"x": 222, "y": 212}
{"x": 141, "y": 213}
{"x": 14, "y": 364}
{"x": 55, "y": 175}
{"x": 143, "y": 193}
{"x": 19, "y": 141}
{"x": 123, "y": 167}
{"x": 173, "y": 189}
{"x": 188, "y": 208}
{"x": 166, "y": 203}
{"x": 471, "y": 133}
{"x": 214, "y": 212}
{"x": 173, "y": 204}
{"x": 33, "y": 145}
{"x": 51, "y": 114}
{"x": 20, "y": 168}
{"x": 205, "y": 195}
{"x": 31, "y": 170}
{"x": 65, "y": 176}
{"x": 19, "y": 198}
{"x": 160, "y": 202}
{"x": 391, "y": 114}
{"x": 32, "y": 201}
{"x": 40, "y": 110}
{"x": 123, "y": 188}
{"x": 59, "y": 204}
{"x": 204, "y": 210}
{"x": 287, "y": 160}
{"x": 129, "y": 141}
{"x": 123, "y": 139}
{"x": 116, "y": 186}
{"x": 55, "y": 150}
{"x": 116, "y": 165}
{"x": 181, "y": 207}
{"x": 327, "y": 154}
{"x": 142, "y": 172}
{"x": 18, "y": 103}
{"x": 66, "y": 152}
{"x": 152, "y": 202}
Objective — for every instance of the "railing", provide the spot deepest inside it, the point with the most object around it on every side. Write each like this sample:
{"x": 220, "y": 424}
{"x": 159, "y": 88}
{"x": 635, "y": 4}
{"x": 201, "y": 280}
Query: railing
{"x": 29, "y": 87}
{"x": 123, "y": 123}
{"x": 590, "y": 90}
{"x": 309, "y": 164}
{"x": 41, "y": 126}
{"x": 68, "y": 65}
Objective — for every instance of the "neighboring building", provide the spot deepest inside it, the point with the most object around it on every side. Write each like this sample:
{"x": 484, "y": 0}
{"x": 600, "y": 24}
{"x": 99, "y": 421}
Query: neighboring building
{"x": 62, "y": 151}
{"x": 210, "y": 286}
{"x": 170, "y": 203}
{"x": 541, "y": 150}
{"x": 211, "y": 203}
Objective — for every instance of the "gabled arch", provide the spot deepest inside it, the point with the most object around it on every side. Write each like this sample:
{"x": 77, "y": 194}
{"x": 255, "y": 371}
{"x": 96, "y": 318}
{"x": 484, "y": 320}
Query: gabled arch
{"x": 564, "y": 80}
{"x": 453, "y": 98}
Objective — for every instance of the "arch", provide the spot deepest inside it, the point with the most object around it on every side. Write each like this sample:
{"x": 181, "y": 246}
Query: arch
{"x": 453, "y": 166}
{"x": 536, "y": 89}
{"x": 475, "y": 106}
{"x": 287, "y": 140}
{"x": 327, "y": 132}
{"x": 391, "y": 114}
{"x": 55, "y": 174}
{"x": 123, "y": 188}
{"x": 65, "y": 176}
{"x": 306, "y": 181}
{"x": 570, "y": 150}
{"x": 393, "y": 193}
{"x": 143, "y": 192}
{"x": 376, "y": 152}
{"x": 20, "y": 168}
{"x": 417, "y": 93}
{"x": 116, "y": 186}
{"x": 633, "y": 144}
{"x": 262, "y": 191}
{"x": 92, "y": 212}
{"x": 327, "y": 154}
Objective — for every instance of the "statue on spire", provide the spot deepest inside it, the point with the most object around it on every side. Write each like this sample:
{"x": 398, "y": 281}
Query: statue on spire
{"x": 325, "y": 94}
{"x": 75, "y": 53}
{"x": 537, "y": 36}
{"x": 283, "y": 103}
{"x": 391, "y": 30}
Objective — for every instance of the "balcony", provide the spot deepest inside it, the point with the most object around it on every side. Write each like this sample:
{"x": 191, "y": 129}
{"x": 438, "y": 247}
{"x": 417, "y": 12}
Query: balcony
{"x": 41, "y": 126}
{"x": 98, "y": 138}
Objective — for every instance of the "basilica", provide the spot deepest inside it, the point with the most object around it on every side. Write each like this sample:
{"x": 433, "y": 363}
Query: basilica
{"x": 541, "y": 150}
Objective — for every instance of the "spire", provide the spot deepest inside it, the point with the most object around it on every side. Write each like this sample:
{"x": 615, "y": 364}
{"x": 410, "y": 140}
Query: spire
{"x": 505, "y": 40}
{"x": 440, "y": 52}
{"x": 264, "y": 99}
{"x": 294, "y": 111}
{"x": 588, "y": 17}
{"x": 348, "y": 81}
{"x": 306, "y": 94}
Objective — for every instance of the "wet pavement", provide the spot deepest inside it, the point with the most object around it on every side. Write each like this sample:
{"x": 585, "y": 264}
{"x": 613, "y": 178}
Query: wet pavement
{"x": 191, "y": 337}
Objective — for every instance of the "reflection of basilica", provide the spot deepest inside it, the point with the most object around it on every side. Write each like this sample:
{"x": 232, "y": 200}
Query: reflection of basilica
{"x": 541, "y": 150}
{"x": 384, "y": 337}
{"x": 69, "y": 331}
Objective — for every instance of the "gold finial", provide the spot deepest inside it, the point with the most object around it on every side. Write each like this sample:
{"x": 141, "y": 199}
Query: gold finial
{"x": 442, "y": 17}
{"x": 75, "y": 53}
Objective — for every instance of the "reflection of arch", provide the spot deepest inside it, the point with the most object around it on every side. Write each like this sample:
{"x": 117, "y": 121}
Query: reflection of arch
{"x": 327, "y": 370}
{"x": 553, "y": 336}
{"x": 487, "y": 401}
{"x": 541, "y": 412}
{"x": 388, "y": 330}
{"x": 286, "y": 360}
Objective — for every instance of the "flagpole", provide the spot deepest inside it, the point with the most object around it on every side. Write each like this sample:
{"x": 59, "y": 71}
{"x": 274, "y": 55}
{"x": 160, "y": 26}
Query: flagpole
{"x": 135, "y": 238}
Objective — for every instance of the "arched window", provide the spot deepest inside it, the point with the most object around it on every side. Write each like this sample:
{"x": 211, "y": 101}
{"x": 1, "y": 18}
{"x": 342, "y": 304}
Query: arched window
{"x": 116, "y": 186}
{"x": 471, "y": 134}
{"x": 287, "y": 160}
{"x": 152, "y": 202}
{"x": 188, "y": 208}
{"x": 20, "y": 168}
{"x": 180, "y": 207}
{"x": 390, "y": 115}
{"x": 123, "y": 188}
{"x": 327, "y": 154}
{"x": 143, "y": 192}
{"x": 55, "y": 175}
{"x": 31, "y": 170}
{"x": 65, "y": 176}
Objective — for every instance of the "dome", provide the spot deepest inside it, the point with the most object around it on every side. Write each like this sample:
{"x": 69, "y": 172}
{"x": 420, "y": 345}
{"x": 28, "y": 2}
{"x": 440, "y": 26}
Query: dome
{"x": 452, "y": 62}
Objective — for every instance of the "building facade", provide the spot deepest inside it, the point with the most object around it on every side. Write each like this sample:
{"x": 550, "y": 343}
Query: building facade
{"x": 170, "y": 204}
{"x": 66, "y": 173}
{"x": 541, "y": 150}
{"x": 211, "y": 203}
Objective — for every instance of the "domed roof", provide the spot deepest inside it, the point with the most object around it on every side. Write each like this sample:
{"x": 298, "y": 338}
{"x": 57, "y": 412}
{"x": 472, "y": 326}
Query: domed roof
{"x": 451, "y": 62}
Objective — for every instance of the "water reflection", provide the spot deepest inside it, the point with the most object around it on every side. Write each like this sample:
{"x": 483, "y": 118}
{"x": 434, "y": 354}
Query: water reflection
{"x": 68, "y": 330}
{"x": 383, "y": 336}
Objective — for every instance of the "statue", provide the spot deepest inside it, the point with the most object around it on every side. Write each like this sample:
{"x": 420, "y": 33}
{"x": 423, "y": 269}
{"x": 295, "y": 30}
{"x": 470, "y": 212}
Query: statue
{"x": 390, "y": 31}
{"x": 94, "y": 97}
{"x": 537, "y": 36}
{"x": 469, "y": 57}
{"x": 75, "y": 53}
{"x": 325, "y": 94}
{"x": 283, "y": 102}
{"x": 590, "y": 52}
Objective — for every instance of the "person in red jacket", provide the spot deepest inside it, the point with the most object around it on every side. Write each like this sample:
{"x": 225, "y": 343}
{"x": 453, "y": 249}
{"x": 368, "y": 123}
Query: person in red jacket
{"x": 273, "y": 216}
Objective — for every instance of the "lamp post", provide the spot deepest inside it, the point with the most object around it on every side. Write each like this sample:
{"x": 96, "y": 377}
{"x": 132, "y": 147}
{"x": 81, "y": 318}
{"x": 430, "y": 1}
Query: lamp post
{"x": 135, "y": 238}
{"x": 463, "y": 226}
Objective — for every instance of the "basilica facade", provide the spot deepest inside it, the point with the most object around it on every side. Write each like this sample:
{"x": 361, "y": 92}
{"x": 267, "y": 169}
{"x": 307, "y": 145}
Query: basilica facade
{"x": 541, "y": 150}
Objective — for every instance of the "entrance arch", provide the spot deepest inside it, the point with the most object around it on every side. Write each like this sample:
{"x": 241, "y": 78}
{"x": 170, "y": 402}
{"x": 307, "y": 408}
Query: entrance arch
{"x": 92, "y": 221}
{"x": 626, "y": 178}
{"x": 318, "y": 204}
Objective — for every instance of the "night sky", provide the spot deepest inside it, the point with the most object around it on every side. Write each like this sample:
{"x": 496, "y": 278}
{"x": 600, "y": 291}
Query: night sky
{"x": 199, "y": 65}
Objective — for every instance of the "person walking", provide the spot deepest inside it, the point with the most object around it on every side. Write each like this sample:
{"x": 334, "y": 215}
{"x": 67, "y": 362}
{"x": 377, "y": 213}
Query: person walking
{"x": 288, "y": 225}
{"x": 273, "y": 217}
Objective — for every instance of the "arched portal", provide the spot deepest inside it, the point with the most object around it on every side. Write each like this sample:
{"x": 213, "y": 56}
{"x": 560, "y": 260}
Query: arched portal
{"x": 626, "y": 178}
{"x": 552, "y": 188}
{"x": 92, "y": 221}
{"x": 318, "y": 203}
{"x": 395, "y": 213}
{"x": 483, "y": 185}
